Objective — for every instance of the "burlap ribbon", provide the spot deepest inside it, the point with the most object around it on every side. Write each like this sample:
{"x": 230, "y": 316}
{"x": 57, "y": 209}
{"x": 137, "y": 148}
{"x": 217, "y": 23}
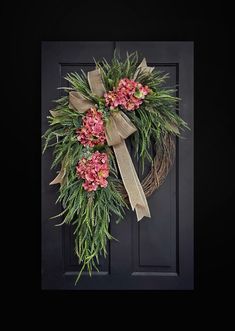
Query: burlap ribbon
{"x": 143, "y": 68}
{"x": 118, "y": 128}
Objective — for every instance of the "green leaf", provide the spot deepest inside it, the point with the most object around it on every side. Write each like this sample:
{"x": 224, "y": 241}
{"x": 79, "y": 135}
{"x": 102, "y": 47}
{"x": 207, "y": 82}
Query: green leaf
{"x": 172, "y": 128}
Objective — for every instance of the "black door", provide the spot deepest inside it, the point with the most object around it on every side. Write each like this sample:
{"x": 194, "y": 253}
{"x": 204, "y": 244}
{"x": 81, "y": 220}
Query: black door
{"x": 155, "y": 253}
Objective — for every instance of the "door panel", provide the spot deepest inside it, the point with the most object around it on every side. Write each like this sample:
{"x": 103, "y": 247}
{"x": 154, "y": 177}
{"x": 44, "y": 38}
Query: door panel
{"x": 155, "y": 242}
{"x": 154, "y": 253}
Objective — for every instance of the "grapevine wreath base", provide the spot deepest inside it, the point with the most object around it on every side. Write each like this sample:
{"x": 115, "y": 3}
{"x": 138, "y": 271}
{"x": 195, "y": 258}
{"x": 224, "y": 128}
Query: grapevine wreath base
{"x": 161, "y": 165}
{"x": 88, "y": 128}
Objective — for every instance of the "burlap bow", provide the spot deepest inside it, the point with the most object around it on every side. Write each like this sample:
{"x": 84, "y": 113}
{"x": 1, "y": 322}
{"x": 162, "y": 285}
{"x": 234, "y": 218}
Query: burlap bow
{"x": 118, "y": 128}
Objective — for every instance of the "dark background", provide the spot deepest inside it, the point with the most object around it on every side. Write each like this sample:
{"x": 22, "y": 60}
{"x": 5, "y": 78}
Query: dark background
{"x": 210, "y": 30}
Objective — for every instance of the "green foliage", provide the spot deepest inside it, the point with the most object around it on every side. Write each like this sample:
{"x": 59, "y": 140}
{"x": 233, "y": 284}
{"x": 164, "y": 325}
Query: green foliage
{"x": 90, "y": 212}
{"x": 117, "y": 69}
{"x": 157, "y": 115}
{"x": 80, "y": 84}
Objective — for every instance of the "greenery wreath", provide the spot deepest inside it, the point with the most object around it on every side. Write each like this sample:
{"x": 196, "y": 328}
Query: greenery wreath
{"x": 88, "y": 128}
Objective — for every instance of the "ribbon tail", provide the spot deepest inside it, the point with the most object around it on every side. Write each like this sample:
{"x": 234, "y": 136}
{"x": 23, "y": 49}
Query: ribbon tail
{"x": 59, "y": 178}
{"x": 142, "y": 208}
{"x": 130, "y": 180}
{"x": 143, "y": 67}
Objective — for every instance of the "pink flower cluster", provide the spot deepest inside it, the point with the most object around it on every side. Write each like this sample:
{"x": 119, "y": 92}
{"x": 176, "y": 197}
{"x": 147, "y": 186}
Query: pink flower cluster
{"x": 92, "y": 132}
{"x": 94, "y": 170}
{"x": 129, "y": 94}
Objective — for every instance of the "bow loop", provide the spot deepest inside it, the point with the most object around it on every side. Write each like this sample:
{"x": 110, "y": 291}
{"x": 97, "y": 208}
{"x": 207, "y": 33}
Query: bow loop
{"x": 78, "y": 102}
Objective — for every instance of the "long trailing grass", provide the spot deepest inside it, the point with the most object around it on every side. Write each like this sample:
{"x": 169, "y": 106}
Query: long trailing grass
{"x": 88, "y": 212}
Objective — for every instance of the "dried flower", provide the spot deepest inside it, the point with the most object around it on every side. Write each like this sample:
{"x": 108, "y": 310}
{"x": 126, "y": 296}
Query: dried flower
{"x": 129, "y": 95}
{"x": 92, "y": 132}
{"x": 94, "y": 170}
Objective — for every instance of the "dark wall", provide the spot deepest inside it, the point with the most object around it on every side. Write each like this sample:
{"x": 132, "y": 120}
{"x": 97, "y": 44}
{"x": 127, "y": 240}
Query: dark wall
{"x": 210, "y": 30}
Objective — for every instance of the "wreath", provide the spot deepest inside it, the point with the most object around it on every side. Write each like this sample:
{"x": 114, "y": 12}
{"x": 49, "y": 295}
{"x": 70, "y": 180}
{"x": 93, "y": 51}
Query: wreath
{"x": 88, "y": 129}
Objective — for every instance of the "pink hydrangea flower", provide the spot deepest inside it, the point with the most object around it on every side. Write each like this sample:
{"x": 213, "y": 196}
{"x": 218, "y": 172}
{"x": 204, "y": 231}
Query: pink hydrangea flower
{"x": 94, "y": 171}
{"x": 129, "y": 95}
{"x": 92, "y": 132}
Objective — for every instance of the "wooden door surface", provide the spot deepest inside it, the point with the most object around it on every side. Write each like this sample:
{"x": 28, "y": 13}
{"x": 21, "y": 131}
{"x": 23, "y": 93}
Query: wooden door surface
{"x": 154, "y": 253}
